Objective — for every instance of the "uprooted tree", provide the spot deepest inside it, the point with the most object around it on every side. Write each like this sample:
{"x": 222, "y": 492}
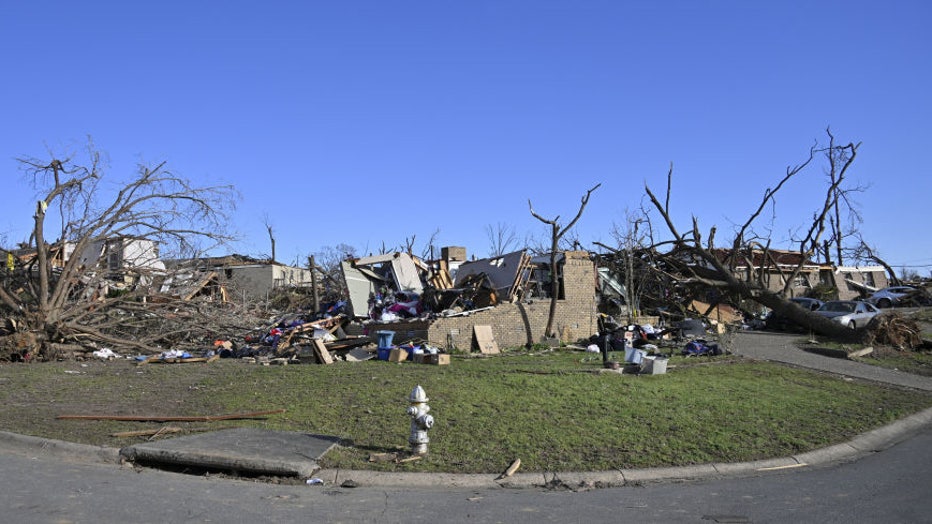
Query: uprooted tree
{"x": 697, "y": 260}
{"x": 73, "y": 290}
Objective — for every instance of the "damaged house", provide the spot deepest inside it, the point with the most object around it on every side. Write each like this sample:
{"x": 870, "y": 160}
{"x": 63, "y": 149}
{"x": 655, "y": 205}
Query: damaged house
{"x": 854, "y": 282}
{"x": 119, "y": 263}
{"x": 505, "y": 296}
{"x": 250, "y": 278}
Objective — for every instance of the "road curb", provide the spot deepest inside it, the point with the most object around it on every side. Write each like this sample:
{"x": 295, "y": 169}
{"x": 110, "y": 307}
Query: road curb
{"x": 870, "y": 442}
{"x": 59, "y": 449}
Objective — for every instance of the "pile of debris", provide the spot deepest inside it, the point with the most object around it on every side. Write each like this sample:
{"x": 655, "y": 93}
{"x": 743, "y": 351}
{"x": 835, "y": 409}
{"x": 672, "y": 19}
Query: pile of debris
{"x": 895, "y": 330}
{"x": 397, "y": 286}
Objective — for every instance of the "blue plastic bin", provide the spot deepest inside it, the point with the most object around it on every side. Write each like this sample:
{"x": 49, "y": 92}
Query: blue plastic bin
{"x": 385, "y": 339}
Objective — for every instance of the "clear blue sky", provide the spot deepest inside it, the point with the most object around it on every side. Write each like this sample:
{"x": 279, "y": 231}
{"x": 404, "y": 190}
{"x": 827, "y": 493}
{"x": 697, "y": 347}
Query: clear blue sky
{"x": 363, "y": 122}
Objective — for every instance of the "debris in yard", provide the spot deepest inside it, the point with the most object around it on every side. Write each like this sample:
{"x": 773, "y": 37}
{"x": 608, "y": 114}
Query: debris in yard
{"x": 861, "y": 353}
{"x": 383, "y": 457}
{"x": 701, "y": 348}
{"x": 176, "y": 357}
{"x": 358, "y": 355}
{"x": 160, "y": 431}
{"x": 320, "y": 351}
{"x": 511, "y": 469}
{"x": 146, "y": 432}
{"x": 485, "y": 340}
{"x": 105, "y": 354}
{"x": 894, "y": 330}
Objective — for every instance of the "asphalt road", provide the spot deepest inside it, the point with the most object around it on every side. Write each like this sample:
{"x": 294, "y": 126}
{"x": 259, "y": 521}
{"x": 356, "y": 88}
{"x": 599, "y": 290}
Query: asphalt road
{"x": 887, "y": 487}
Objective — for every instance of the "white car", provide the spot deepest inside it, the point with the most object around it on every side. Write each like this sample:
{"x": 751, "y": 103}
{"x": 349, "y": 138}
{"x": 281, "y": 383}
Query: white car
{"x": 851, "y": 313}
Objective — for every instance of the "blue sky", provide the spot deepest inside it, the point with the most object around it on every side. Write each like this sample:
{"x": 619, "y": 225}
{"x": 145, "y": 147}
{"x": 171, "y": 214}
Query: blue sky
{"x": 364, "y": 122}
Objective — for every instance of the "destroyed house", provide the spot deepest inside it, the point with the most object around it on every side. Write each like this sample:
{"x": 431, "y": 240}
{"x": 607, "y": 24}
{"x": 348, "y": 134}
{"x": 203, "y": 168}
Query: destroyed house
{"x": 124, "y": 259}
{"x": 122, "y": 256}
{"x": 505, "y": 297}
{"x": 853, "y": 282}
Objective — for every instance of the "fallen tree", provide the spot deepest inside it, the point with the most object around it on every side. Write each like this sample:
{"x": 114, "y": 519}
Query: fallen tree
{"x": 744, "y": 269}
{"x": 86, "y": 287}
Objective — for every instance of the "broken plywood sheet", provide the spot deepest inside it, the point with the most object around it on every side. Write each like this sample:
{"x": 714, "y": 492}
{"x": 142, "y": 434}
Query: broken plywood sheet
{"x": 485, "y": 340}
{"x": 722, "y": 312}
{"x": 404, "y": 270}
{"x": 360, "y": 287}
{"x": 359, "y": 355}
{"x": 407, "y": 276}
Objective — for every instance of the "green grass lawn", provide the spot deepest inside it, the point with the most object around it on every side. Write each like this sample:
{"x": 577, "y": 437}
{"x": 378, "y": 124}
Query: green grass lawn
{"x": 555, "y": 410}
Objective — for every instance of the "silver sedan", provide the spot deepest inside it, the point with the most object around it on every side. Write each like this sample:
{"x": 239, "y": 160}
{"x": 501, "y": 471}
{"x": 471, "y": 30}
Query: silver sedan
{"x": 851, "y": 313}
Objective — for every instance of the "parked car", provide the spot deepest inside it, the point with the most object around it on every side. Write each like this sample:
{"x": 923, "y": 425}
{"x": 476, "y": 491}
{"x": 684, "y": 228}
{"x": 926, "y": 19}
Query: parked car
{"x": 900, "y": 296}
{"x": 851, "y": 313}
{"x": 779, "y": 322}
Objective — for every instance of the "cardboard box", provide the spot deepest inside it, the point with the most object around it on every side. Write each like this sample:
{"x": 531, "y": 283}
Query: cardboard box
{"x": 398, "y": 355}
{"x": 439, "y": 360}
{"x": 436, "y": 360}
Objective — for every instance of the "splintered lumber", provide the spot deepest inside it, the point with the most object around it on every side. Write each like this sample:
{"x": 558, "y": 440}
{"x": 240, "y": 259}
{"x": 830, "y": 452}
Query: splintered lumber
{"x": 170, "y": 418}
{"x": 160, "y": 431}
{"x": 158, "y": 359}
{"x": 147, "y": 432}
{"x": 511, "y": 469}
{"x": 320, "y": 351}
{"x": 861, "y": 352}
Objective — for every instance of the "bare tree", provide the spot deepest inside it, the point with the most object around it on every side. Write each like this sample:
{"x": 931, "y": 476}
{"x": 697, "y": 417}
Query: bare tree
{"x": 267, "y": 222}
{"x": 864, "y": 251}
{"x": 632, "y": 257}
{"x": 56, "y": 294}
{"x": 326, "y": 263}
{"x": 700, "y": 261}
{"x": 502, "y": 239}
{"x": 556, "y": 233}
{"x": 409, "y": 246}
{"x": 845, "y": 216}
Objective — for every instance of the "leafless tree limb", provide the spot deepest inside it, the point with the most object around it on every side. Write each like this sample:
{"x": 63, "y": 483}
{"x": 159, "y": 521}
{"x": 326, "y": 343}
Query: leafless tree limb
{"x": 556, "y": 233}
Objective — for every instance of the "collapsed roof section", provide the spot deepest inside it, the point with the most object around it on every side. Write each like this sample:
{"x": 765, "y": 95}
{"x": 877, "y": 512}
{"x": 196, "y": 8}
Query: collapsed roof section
{"x": 507, "y": 274}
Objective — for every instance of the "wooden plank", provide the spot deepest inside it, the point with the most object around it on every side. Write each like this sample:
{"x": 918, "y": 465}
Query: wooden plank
{"x": 521, "y": 279}
{"x": 320, "y": 351}
{"x": 485, "y": 340}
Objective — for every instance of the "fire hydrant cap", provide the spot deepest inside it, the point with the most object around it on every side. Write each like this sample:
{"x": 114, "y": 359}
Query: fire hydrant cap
{"x": 418, "y": 395}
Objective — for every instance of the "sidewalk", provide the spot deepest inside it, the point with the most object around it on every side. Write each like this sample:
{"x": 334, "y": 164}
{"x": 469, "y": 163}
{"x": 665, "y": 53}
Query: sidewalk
{"x": 780, "y": 347}
{"x": 754, "y": 345}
